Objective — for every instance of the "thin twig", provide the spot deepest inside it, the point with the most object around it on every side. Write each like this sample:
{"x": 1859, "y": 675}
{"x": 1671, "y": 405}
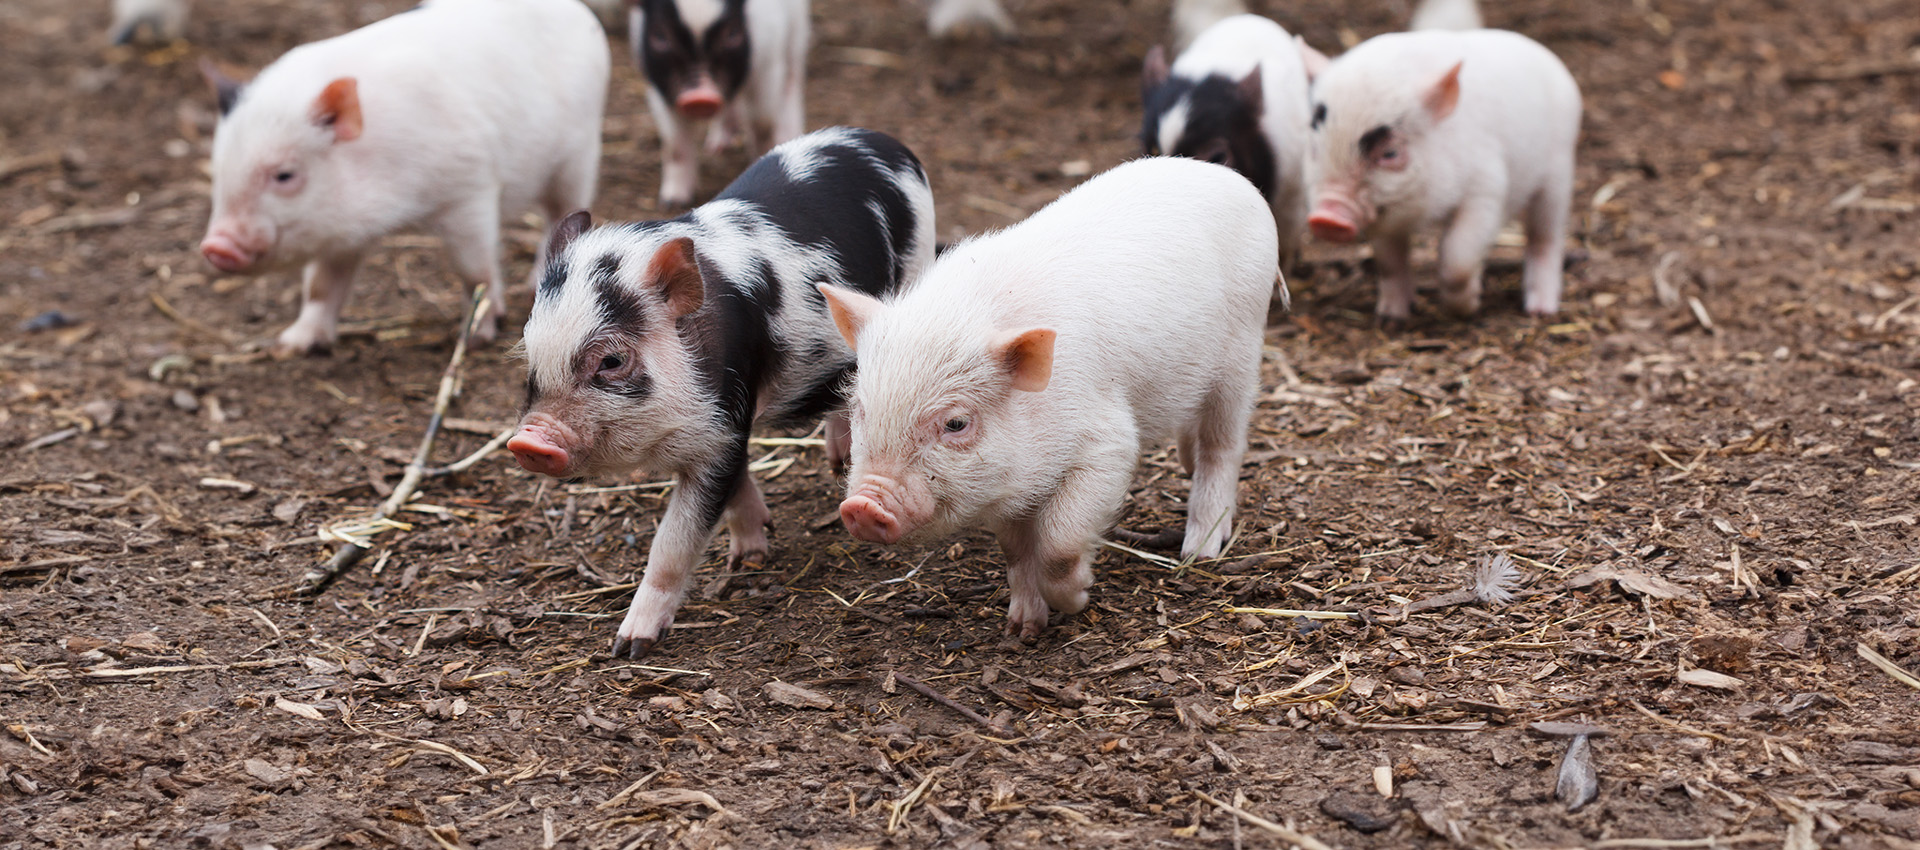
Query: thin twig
{"x": 947, "y": 701}
{"x": 1863, "y": 71}
{"x": 1677, "y": 725}
{"x": 466, "y": 463}
{"x": 1886, "y": 665}
{"x": 1284, "y": 834}
{"x": 348, "y": 554}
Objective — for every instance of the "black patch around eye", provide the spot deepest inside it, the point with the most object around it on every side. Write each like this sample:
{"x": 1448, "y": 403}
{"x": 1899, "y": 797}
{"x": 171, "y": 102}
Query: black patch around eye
{"x": 1371, "y": 140}
{"x": 637, "y": 386}
{"x": 620, "y": 307}
{"x": 1319, "y": 115}
{"x": 533, "y": 392}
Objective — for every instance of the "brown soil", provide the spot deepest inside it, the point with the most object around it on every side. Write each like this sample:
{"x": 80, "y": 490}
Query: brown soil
{"x": 1706, "y": 465}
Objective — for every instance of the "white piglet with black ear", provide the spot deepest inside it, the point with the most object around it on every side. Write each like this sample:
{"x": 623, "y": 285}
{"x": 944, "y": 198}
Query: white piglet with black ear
{"x": 1237, "y": 97}
{"x": 445, "y": 118}
{"x": 1462, "y": 130}
{"x": 1014, "y": 387}
{"x": 659, "y": 345}
{"x": 735, "y": 67}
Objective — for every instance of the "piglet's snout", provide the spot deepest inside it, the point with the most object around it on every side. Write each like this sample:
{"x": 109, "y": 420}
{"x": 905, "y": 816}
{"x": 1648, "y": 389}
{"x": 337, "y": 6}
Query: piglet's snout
{"x": 867, "y": 518}
{"x": 537, "y": 451}
{"x": 1335, "y": 219}
{"x": 700, "y": 102}
{"x": 223, "y": 252}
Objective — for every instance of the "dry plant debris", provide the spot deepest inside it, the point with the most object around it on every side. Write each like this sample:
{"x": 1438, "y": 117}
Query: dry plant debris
{"x": 1702, "y": 478}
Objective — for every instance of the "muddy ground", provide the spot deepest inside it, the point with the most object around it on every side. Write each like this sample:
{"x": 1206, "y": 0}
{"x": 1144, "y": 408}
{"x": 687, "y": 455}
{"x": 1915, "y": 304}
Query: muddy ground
{"x": 1705, "y": 471}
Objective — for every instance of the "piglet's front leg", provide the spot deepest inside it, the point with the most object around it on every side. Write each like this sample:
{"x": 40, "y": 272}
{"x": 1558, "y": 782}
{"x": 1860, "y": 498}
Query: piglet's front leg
{"x": 686, "y": 527}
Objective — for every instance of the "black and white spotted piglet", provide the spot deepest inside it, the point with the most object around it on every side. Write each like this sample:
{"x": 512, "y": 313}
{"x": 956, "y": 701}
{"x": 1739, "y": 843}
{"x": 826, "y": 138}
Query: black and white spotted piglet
{"x": 660, "y": 344}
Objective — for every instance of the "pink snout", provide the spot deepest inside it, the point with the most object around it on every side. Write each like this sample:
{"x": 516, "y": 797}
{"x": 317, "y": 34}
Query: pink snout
{"x": 700, "y": 102}
{"x": 225, "y": 254}
{"x": 866, "y": 519}
{"x": 537, "y": 453}
{"x": 1334, "y": 220}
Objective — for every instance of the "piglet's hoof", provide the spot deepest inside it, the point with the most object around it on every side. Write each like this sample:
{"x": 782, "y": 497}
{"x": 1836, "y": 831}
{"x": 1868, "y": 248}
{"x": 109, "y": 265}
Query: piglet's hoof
{"x": 632, "y": 649}
{"x": 1392, "y": 324}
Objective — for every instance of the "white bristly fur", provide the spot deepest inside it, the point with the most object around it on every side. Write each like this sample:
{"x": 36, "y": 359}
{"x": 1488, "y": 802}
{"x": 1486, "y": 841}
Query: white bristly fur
{"x": 771, "y": 104}
{"x": 1231, "y": 48}
{"x": 1446, "y": 15}
{"x": 1155, "y": 276}
{"x": 473, "y": 110}
{"x": 1505, "y": 152}
{"x": 1193, "y": 17}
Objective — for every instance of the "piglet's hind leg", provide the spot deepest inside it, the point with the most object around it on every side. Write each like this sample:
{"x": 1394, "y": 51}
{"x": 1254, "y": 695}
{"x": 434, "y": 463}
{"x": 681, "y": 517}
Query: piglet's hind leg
{"x": 747, "y": 519}
{"x": 1542, "y": 279}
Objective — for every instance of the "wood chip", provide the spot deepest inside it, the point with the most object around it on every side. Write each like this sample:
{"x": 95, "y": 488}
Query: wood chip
{"x": 1709, "y": 679}
{"x": 1579, "y": 782}
{"x": 1632, "y": 581}
{"x": 796, "y": 696}
{"x": 242, "y": 487}
{"x": 268, "y": 774}
{"x": 299, "y": 708}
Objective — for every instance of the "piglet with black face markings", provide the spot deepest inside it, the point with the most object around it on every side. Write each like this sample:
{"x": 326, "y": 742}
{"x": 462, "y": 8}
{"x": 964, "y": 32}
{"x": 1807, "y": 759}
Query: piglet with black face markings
{"x": 1237, "y": 97}
{"x": 660, "y": 344}
{"x": 740, "y": 65}
{"x": 1464, "y": 130}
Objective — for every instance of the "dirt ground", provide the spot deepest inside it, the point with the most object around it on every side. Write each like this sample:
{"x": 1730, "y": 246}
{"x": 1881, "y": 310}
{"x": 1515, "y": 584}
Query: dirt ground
{"x": 1705, "y": 471}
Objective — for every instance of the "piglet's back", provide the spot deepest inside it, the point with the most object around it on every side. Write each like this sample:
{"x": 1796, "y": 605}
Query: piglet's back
{"x": 1147, "y": 243}
{"x": 1153, "y": 275}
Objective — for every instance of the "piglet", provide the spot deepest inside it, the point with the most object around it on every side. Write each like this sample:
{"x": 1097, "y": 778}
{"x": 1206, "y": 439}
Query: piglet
{"x": 742, "y": 62}
{"x": 949, "y": 18}
{"x": 1465, "y": 130}
{"x": 1446, "y": 15}
{"x": 1014, "y": 387}
{"x": 659, "y": 345}
{"x": 443, "y": 118}
{"x": 1238, "y": 97}
{"x": 155, "y": 20}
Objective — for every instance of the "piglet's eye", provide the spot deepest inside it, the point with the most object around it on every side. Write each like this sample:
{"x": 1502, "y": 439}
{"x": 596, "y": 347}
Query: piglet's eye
{"x": 611, "y": 362}
{"x": 956, "y": 424}
{"x": 283, "y": 177}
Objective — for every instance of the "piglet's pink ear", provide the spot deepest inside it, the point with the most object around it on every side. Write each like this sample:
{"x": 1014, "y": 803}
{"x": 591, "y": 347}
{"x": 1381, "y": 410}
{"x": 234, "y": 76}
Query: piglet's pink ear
{"x": 338, "y": 107}
{"x": 1315, "y": 61}
{"x": 1251, "y": 91}
{"x": 676, "y": 273}
{"x": 1443, "y": 95}
{"x": 1154, "y": 71}
{"x": 566, "y": 230}
{"x": 226, "y": 90}
{"x": 851, "y": 311}
{"x": 1027, "y": 356}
